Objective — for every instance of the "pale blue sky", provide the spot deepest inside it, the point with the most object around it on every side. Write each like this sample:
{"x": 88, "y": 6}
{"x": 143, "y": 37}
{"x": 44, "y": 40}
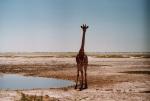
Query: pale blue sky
{"x": 54, "y": 25}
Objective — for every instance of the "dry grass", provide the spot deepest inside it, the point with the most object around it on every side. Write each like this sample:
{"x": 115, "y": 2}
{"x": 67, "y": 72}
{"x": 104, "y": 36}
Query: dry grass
{"x": 73, "y": 54}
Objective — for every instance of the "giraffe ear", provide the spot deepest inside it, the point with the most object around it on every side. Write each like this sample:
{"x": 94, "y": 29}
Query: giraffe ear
{"x": 87, "y": 26}
{"x": 81, "y": 27}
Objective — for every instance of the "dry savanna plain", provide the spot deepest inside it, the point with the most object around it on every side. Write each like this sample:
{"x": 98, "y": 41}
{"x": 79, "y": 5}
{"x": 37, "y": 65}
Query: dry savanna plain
{"x": 111, "y": 76}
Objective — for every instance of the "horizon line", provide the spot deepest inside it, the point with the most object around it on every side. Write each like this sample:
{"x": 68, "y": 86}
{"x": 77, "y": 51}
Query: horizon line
{"x": 74, "y": 52}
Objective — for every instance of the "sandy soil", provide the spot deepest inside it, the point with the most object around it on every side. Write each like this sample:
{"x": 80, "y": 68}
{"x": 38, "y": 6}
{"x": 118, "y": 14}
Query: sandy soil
{"x": 109, "y": 79}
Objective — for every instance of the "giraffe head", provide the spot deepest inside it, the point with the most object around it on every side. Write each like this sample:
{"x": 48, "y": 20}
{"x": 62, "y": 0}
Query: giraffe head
{"x": 84, "y": 27}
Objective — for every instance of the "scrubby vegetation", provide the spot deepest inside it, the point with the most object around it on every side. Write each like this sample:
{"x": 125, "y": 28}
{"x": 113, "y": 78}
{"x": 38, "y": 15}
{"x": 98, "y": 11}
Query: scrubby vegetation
{"x": 25, "y": 97}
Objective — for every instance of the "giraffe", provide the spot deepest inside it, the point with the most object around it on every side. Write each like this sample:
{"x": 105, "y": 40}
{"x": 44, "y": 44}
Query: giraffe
{"x": 82, "y": 62}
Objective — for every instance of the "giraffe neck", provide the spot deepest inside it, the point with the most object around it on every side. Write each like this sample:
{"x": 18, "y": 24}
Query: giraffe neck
{"x": 83, "y": 42}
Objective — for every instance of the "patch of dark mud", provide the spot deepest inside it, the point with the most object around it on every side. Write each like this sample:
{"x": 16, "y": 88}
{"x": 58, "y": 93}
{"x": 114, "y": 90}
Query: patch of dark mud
{"x": 148, "y": 91}
{"x": 137, "y": 72}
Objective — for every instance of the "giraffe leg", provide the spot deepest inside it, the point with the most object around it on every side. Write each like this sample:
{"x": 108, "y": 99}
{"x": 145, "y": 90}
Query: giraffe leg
{"x": 77, "y": 80}
{"x": 81, "y": 87}
{"x": 85, "y": 75}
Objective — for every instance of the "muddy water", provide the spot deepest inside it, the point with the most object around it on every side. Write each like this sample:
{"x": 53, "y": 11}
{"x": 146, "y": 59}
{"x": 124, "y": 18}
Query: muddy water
{"x": 19, "y": 82}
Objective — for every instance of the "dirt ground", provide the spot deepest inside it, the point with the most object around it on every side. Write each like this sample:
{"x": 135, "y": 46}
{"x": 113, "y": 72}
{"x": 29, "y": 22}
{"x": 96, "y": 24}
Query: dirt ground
{"x": 109, "y": 79}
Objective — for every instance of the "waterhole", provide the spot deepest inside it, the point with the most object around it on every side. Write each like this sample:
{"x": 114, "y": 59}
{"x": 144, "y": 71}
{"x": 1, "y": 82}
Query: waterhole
{"x": 19, "y": 82}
